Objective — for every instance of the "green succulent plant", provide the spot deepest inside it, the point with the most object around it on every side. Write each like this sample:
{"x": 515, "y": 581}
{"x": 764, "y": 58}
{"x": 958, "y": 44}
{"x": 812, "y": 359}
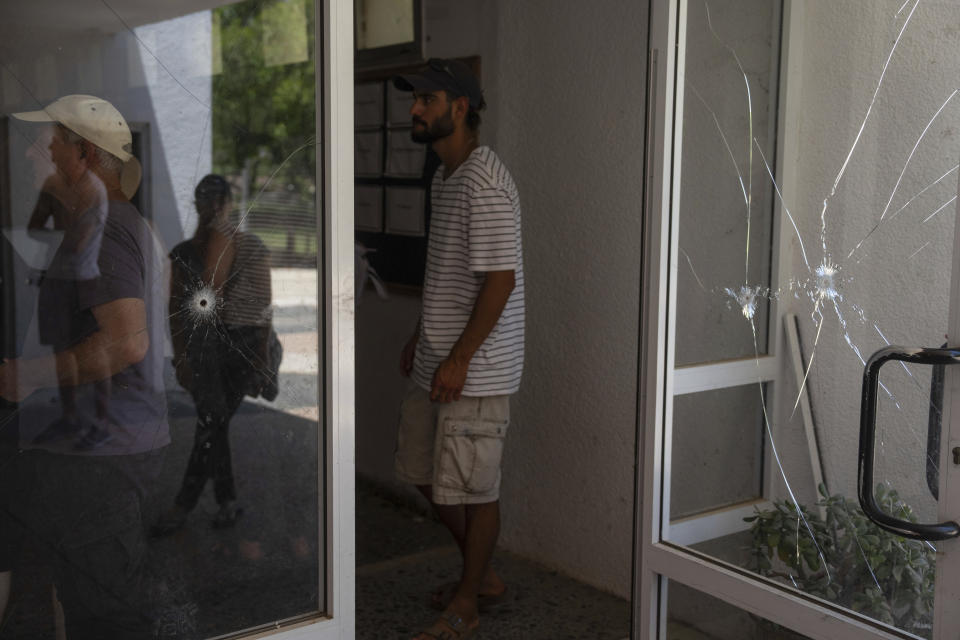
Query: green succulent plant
{"x": 854, "y": 563}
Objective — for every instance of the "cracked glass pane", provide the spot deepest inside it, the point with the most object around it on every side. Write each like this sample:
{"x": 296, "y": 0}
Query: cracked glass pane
{"x": 159, "y": 387}
{"x": 719, "y": 127}
{"x": 736, "y": 434}
{"x": 818, "y": 159}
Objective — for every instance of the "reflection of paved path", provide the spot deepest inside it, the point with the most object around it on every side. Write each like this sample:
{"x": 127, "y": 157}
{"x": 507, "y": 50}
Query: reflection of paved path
{"x": 294, "y": 287}
{"x": 295, "y": 320}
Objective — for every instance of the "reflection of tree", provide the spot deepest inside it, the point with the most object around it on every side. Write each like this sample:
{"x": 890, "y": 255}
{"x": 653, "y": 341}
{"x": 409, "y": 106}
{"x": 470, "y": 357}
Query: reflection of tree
{"x": 264, "y": 109}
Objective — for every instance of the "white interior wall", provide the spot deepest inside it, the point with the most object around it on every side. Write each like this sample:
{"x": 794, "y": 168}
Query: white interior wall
{"x": 571, "y": 118}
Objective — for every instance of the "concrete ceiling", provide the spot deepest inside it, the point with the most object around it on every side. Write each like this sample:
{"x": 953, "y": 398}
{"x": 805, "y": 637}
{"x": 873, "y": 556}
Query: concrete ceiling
{"x": 33, "y": 28}
{"x": 93, "y": 16}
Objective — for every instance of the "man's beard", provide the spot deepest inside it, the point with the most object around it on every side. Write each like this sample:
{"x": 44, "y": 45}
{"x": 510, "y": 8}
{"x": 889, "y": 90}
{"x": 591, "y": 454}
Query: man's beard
{"x": 441, "y": 128}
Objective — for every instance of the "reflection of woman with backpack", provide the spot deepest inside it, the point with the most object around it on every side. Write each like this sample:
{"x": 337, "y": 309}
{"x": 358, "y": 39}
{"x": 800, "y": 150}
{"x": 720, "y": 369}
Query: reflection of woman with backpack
{"x": 223, "y": 344}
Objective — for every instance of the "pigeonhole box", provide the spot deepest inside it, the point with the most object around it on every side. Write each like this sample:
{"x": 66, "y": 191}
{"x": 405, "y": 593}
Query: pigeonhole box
{"x": 368, "y": 104}
{"x": 404, "y": 156}
{"x": 368, "y": 207}
{"x": 398, "y": 105}
{"x": 405, "y": 211}
{"x": 368, "y": 153}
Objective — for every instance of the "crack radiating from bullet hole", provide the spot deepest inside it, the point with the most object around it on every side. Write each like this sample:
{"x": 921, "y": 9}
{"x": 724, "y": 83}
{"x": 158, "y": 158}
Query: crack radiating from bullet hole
{"x": 203, "y": 305}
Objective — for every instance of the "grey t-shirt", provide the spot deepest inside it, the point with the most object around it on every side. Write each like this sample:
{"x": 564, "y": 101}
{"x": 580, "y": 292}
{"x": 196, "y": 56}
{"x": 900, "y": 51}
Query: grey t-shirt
{"x": 131, "y": 405}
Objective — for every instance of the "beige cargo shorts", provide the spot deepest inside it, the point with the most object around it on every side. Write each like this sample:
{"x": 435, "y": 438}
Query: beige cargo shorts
{"x": 456, "y": 447}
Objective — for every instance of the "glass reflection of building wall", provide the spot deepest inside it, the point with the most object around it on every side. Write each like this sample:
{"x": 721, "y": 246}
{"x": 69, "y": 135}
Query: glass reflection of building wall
{"x": 159, "y": 422}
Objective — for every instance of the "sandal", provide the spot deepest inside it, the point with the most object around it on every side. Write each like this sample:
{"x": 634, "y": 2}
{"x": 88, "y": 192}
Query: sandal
{"x": 440, "y": 599}
{"x": 450, "y": 626}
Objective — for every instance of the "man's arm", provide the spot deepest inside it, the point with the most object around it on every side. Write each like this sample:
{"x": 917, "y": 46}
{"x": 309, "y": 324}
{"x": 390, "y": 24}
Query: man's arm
{"x": 121, "y": 341}
{"x": 451, "y": 374}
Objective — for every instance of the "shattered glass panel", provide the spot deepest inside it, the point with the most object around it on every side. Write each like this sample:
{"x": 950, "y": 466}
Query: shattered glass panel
{"x": 721, "y": 215}
{"x": 159, "y": 385}
{"x": 818, "y": 195}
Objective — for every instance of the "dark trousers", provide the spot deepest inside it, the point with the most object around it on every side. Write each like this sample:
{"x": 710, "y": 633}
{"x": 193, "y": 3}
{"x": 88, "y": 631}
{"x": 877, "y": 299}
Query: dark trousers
{"x": 210, "y": 457}
{"x": 220, "y": 375}
{"x": 85, "y": 512}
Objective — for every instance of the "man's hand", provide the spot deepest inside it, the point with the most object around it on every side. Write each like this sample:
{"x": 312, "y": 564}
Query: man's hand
{"x": 448, "y": 380}
{"x": 407, "y": 355}
{"x": 451, "y": 375}
{"x": 11, "y": 387}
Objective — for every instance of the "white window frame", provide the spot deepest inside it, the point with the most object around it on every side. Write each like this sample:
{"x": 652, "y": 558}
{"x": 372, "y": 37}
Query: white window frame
{"x": 334, "y": 126}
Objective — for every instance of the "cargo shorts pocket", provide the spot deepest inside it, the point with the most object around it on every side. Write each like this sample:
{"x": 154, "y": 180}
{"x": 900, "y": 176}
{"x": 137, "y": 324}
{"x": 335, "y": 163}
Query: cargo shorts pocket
{"x": 470, "y": 454}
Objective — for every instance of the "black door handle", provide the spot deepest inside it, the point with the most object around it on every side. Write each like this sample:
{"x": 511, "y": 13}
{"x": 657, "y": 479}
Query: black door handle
{"x": 868, "y": 431}
{"x": 934, "y": 426}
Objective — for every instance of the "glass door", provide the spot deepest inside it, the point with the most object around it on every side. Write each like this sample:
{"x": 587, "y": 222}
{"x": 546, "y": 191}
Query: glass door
{"x": 802, "y": 195}
{"x": 176, "y": 375}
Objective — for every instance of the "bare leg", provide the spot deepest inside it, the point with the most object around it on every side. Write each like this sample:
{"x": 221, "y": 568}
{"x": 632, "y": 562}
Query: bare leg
{"x": 483, "y": 528}
{"x": 454, "y": 517}
{"x": 481, "y": 532}
{"x": 5, "y": 577}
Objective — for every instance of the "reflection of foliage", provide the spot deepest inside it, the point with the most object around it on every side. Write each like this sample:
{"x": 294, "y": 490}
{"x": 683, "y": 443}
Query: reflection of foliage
{"x": 261, "y": 113}
{"x": 859, "y": 556}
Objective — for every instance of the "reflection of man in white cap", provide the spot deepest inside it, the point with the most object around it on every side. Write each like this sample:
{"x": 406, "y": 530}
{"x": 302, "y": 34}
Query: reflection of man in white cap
{"x": 82, "y": 494}
{"x": 100, "y": 135}
{"x": 74, "y": 197}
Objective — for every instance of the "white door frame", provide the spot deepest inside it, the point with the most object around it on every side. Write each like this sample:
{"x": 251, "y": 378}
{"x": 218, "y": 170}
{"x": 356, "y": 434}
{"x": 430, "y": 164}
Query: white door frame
{"x": 659, "y": 560}
{"x": 334, "y": 126}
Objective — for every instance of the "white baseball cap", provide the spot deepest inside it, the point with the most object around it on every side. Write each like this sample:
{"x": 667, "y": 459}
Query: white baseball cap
{"x": 96, "y": 120}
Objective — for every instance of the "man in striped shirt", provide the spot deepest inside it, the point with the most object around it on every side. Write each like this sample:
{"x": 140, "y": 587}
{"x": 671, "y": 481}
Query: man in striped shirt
{"x": 466, "y": 356}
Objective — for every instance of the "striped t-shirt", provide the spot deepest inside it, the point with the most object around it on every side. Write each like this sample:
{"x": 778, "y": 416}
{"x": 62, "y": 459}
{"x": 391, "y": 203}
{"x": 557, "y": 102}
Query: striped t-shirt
{"x": 474, "y": 228}
{"x": 247, "y": 293}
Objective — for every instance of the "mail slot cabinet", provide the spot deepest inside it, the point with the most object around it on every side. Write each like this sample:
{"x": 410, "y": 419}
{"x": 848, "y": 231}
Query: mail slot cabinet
{"x": 368, "y": 153}
{"x": 368, "y": 208}
{"x": 398, "y": 106}
{"x": 404, "y": 156}
{"x": 405, "y": 211}
{"x": 368, "y": 105}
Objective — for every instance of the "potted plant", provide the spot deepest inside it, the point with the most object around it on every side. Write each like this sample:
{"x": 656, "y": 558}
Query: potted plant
{"x": 853, "y": 563}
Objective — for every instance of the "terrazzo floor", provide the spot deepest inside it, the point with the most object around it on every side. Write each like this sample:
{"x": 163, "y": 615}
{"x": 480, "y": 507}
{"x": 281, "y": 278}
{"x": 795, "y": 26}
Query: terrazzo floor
{"x": 403, "y": 555}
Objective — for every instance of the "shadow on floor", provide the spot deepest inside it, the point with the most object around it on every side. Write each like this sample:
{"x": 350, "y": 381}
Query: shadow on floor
{"x": 402, "y": 556}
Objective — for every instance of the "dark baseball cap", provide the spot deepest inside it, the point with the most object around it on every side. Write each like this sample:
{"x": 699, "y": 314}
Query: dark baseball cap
{"x": 444, "y": 75}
